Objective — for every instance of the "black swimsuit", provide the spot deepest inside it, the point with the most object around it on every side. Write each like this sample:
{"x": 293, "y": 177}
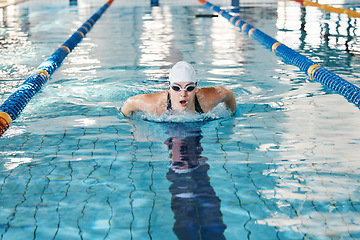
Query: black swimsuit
{"x": 198, "y": 108}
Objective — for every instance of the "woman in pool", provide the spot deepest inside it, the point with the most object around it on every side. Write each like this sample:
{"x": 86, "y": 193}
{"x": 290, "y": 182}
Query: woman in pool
{"x": 182, "y": 95}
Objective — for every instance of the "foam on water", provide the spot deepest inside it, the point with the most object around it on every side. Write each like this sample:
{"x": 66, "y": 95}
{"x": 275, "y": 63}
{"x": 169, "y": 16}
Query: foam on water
{"x": 219, "y": 112}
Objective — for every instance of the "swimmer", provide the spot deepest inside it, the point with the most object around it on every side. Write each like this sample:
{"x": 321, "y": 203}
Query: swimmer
{"x": 183, "y": 95}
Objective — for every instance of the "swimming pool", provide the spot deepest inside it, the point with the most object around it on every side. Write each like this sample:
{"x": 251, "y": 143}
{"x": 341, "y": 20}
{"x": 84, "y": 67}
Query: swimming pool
{"x": 285, "y": 167}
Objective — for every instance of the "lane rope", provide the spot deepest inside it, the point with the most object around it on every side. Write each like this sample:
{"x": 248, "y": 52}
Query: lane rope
{"x": 315, "y": 71}
{"x": 328, "y": 8}
{"x": 16, "y": 102}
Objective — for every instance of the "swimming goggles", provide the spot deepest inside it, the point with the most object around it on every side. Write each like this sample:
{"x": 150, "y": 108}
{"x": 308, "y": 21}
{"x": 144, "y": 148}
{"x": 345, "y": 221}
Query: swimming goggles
{"x": 188, "y": 88}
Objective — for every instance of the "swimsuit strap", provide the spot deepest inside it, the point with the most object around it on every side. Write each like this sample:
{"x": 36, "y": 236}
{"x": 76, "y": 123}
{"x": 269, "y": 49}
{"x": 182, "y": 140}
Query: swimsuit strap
{"x": 169, "y": 106}
{"x": 197, "y": 104}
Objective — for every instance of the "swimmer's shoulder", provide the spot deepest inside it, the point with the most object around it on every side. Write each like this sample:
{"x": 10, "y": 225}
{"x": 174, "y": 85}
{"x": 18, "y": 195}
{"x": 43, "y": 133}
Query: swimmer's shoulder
{"x": 153, "y": 103}
{"x": 211, "y": 90}
{"x": 148, "y": 98}
{"x": 211, "y": 94}
{"x": 205, "y": 96}
{"x": 206, "y": 90}
{"x": 209, "y": 97}
{"x": 157, "y": 97}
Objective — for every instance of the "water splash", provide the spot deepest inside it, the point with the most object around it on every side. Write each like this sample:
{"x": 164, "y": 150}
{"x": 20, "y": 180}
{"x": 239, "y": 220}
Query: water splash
{"x": 219, "y": 112}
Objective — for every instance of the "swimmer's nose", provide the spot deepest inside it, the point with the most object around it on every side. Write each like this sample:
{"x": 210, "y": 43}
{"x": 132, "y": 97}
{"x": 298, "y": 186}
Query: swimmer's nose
{"x": 183, "y": 93}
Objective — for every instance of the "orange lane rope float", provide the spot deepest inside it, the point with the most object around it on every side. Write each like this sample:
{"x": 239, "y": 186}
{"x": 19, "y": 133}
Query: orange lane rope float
{"x": 327, "y": 8}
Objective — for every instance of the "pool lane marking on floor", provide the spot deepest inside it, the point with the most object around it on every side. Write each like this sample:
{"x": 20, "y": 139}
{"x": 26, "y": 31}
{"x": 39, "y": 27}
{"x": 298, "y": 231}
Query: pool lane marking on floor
{"x": 17, "y": 101}
{"x": 315, "y": 71}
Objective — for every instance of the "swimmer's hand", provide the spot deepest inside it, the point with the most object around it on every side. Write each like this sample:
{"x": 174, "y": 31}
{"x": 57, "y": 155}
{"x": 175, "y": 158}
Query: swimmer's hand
{"x": 118, "y": 109}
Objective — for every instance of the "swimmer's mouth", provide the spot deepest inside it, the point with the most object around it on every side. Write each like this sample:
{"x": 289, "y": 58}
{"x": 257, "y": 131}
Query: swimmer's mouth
{"x": 183, "y": 102}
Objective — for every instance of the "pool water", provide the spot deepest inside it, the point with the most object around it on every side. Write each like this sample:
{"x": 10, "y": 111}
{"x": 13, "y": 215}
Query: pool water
{"x": 284, "y": 167}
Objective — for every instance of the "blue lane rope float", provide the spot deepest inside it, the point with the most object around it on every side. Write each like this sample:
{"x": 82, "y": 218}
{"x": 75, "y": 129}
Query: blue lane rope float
{"x": 315, "y": 71}
{"x": 13, "y": 106}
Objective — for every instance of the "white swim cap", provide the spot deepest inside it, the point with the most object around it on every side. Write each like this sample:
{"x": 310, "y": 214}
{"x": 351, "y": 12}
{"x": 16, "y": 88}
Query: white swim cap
{"x": 182, "y": 72}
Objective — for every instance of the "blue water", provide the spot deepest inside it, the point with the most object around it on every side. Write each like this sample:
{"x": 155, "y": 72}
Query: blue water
{"x": 284, "y": 167}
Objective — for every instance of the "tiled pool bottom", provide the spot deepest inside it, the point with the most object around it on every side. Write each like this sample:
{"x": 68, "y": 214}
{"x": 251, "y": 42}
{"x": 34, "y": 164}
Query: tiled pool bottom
{"x": 284, "y": 167}
{"x": 84, "y": 177}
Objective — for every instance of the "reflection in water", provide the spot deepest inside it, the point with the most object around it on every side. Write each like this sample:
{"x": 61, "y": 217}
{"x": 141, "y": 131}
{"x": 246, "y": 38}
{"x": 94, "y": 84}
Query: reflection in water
{"x": 154, "y": 3}
{"x": 194, "y": 201}
{"x": 73, "y": 3}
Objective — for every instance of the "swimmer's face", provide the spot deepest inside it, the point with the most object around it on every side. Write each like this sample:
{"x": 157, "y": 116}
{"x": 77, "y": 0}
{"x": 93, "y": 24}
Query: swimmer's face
{"x": 183, "y": 100}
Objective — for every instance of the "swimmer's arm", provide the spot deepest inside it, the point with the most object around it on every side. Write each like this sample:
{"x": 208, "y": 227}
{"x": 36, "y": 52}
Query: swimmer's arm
{"x": 222, "y": 95}
{"x": 229, "y": 99}
{"x": 150, "y": 103}
{"x": 210, "y": 97}
{"x": 131, "y": 105}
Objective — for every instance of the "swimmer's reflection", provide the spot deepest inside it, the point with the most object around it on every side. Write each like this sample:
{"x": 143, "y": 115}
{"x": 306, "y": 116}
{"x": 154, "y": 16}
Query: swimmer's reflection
{"x": 194, "y": 202}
